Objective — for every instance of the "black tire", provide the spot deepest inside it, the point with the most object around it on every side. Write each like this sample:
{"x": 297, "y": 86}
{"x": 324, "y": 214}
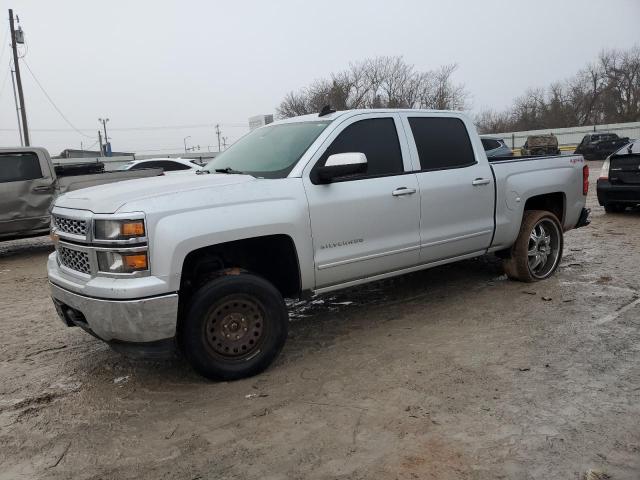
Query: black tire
{"x": 235, "y": 326}
{"x": 614, "y": 208}
{"x": 533, "y": 260}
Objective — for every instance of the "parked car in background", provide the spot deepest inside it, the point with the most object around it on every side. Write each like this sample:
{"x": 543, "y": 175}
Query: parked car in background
{"x": 305, "y": 205}
{"x": 495, "y": 147}
{"x": 540, "y": 145}
{"x": 596, "y": 146}
{"x": 29, "y": 182}
{"x": 168, "y": 165}
{"x": 619, "y": 184}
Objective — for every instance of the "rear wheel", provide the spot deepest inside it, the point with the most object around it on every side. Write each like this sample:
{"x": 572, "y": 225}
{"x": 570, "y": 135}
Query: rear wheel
{"x": 614, "y": 208}
{"x": 235, "y": 326}
{"x": 538, "y": 249}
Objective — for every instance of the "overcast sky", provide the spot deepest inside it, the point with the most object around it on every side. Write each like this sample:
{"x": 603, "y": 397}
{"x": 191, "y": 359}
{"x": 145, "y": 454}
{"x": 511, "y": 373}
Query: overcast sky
{"x": 191, "y": 64}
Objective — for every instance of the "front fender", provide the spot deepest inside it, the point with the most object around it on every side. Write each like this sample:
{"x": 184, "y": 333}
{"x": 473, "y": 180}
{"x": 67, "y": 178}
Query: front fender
{"x": 175, "y": 236}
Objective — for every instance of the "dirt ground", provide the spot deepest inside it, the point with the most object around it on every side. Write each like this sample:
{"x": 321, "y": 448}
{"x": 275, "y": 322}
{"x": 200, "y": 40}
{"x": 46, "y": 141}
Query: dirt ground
{"x": 450, "y": 373}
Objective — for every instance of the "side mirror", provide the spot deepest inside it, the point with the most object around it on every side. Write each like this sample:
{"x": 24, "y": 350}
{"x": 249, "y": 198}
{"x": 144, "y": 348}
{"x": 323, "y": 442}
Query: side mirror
{"x": 341, "y": 165}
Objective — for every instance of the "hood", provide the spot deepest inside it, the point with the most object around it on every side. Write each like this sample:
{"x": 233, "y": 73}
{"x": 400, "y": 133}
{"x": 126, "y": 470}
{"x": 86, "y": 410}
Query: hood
{"x": 113, "y": 196}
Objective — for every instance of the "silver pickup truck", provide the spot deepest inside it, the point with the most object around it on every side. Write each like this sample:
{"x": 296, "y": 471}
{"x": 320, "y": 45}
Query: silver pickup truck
{"x": 29, "y": 182}
{"x": 304, "y": 205}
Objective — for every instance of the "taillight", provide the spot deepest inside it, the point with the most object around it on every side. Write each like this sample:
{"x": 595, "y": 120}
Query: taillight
{"x": 604, "y": 173}
{"x": 585, "y": 179}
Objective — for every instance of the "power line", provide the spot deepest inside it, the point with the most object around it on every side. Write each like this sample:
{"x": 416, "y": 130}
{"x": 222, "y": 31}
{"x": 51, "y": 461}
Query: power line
{"x": 146, "y": 128}
{"x": 53, "y": 103}
{"x": 4, "y": 83}
{"x": 4, "y": 44}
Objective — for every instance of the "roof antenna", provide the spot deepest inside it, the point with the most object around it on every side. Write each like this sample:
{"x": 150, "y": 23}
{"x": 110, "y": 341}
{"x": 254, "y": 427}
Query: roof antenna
{"x": 326, "y": 110}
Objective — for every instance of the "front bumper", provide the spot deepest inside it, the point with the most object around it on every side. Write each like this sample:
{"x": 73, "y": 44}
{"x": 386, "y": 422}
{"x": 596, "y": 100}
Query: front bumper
{"x": 144, "y": 320}
{"x": 614, "y": 193}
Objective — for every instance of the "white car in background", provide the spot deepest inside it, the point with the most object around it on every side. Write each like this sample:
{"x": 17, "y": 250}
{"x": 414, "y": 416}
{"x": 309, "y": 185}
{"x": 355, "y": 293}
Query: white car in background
{"x": 168, "y": 165}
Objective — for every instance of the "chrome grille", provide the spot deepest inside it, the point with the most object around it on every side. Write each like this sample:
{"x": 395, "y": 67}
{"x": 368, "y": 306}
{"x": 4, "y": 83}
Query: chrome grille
{"x": 74, "y": 259}
{"x": 69, "y": 225}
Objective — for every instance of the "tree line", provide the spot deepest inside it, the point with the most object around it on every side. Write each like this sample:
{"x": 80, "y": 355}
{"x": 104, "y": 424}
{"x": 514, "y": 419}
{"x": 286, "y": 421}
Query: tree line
{"x": 605, "y": 91}
{"x": 380, "y": 82}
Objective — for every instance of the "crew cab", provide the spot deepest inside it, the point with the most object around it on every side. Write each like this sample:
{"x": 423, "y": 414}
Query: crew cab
{"x": 29, "y": 182}
{"x": 304, "y": 205}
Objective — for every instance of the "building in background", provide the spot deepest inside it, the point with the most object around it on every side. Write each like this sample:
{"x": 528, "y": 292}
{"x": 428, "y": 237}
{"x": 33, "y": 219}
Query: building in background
{"x": 73, "y": 153}
{"x": 258, "y": 121}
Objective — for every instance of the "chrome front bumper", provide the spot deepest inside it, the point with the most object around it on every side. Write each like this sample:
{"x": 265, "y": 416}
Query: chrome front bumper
{"x": 137, "y": 321}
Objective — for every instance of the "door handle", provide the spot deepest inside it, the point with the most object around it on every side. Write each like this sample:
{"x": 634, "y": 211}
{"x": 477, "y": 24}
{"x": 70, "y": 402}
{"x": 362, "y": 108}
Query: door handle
{"x": 43, "y": 188}
{"x": 480, "y": 181}
{"x": 403, "y": 191}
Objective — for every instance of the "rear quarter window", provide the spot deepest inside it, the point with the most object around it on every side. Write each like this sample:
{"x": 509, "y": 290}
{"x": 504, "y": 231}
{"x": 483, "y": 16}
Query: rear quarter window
{"x": 441, "y": 143}
{"x": 17, "y": 167}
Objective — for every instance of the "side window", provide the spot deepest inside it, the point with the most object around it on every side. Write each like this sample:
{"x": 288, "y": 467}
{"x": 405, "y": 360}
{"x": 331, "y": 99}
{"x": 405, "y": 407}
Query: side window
{"x": 377, "y": 138}
{"x": 490, "y": 144}
{"x": 169, "y": 166}
{"x": 17, "y": 167}
{"x": 442, "y": 143}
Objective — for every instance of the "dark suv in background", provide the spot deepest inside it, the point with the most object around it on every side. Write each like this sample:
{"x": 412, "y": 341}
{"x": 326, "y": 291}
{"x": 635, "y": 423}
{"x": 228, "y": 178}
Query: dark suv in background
{"x": 619, "y": 183}
{"x": 596, "y": 146}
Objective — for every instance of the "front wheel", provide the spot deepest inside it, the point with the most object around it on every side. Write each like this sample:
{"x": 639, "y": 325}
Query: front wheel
{"x": 537, "y": 251}
{"x": 235, "y": 326}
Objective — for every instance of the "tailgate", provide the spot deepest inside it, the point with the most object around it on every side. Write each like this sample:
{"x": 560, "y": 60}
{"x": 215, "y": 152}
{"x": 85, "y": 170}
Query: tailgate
{"x": 625, "y": 169}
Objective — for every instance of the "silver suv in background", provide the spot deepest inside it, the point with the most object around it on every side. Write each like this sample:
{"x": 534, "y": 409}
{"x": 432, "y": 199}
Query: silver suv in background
{"x": 495, "y": 147}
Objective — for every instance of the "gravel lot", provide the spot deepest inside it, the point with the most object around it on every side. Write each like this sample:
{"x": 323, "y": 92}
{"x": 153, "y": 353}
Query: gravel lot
{"x": 450, "y": 373}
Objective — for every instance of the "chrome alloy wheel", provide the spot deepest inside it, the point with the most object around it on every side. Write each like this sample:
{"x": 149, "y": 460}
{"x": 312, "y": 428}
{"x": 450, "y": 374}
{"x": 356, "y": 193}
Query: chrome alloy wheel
{"x": 543, "y": 250}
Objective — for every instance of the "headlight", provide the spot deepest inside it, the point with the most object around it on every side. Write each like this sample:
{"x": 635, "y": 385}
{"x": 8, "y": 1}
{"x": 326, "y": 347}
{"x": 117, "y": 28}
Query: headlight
{"x": 122, "y": 262}
{"x": 119, "y": 229}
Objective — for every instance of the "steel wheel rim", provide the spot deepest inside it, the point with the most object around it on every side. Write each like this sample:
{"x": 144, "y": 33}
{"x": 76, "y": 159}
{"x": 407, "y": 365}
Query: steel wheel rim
{"x": 234, "y": 328}
{"x": 543, "y": 248}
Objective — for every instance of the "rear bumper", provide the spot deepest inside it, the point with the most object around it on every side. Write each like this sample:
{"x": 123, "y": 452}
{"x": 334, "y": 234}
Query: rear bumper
{"x": 614, "y": 193}
{"x": 138, "y": 321}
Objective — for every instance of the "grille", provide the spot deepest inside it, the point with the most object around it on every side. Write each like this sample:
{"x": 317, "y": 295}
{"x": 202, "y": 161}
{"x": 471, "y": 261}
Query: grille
{"x": 68, "y": 225}
{"x": 74, "y": 260}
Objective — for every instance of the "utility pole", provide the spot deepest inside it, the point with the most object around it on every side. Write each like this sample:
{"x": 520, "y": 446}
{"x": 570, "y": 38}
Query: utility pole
{"x": 106, "y": 138}
{"x": 100, "y": 142}
{"x": 218, "y": 134}
{"x": 16, "y": 65}
{"x": 15, "y": 98}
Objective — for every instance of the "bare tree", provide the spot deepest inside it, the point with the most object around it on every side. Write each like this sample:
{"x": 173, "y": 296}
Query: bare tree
{"x": 379, "y": 82}
{"x": 605, "y": 91}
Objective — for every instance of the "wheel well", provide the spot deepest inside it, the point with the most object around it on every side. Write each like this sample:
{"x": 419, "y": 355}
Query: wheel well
{"x": 273, "y": 257}
{"x": 551, "y": 202}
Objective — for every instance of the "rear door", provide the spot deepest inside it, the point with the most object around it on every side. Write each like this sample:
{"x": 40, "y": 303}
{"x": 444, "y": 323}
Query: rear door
{"x": 366, "y": 224}
{"x": 27, "y": 188}
{"x": 456, "y": 191}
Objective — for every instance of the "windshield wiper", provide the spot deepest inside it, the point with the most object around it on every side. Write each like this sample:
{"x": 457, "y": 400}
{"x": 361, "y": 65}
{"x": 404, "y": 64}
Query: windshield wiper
{"x": 228, "y": 170}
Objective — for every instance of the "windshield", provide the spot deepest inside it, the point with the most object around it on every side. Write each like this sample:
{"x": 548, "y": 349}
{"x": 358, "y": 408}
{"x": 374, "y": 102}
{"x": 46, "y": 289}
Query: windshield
{"x": 269, "y": 152}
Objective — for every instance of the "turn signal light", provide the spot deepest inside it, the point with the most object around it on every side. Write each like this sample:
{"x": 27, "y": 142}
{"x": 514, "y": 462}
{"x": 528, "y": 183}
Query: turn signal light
{"x": 135, "y": 262}
{"x": 132, "y": 229}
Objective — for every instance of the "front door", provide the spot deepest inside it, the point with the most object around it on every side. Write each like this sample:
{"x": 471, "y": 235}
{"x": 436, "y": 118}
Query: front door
{"x": 26, "y": 192}
{"x": 365, "y": 224}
